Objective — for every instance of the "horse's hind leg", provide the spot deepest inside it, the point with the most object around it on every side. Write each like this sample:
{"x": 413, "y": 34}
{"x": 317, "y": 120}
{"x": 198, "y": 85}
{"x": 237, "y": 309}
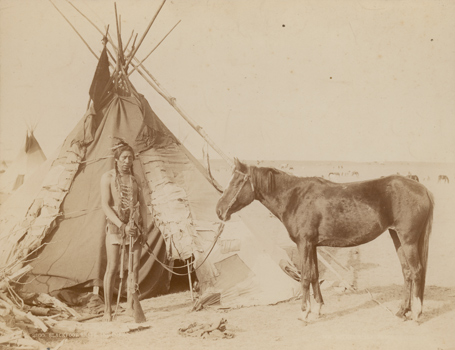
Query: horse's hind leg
{"x": 406, "y": 304}
{"x": 412, "y": 255}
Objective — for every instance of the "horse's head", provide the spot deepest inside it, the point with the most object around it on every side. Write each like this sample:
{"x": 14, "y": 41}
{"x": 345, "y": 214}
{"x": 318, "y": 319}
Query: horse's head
{"x": 238, "y": 194}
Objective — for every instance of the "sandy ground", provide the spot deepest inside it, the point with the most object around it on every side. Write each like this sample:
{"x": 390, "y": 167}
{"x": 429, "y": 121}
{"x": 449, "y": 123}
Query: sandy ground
{"x": 350, "y": 320}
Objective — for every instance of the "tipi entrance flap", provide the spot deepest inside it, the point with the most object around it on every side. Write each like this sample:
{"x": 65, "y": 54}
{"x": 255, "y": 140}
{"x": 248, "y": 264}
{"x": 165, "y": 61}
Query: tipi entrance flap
{"x": 170, "y": 208}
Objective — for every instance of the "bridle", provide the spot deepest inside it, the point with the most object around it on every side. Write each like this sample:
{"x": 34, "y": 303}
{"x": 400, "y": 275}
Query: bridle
{"x": 246, "y": 177}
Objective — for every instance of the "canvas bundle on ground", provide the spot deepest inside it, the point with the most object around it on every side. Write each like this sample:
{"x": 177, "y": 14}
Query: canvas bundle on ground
{"x": 59, "y": 215}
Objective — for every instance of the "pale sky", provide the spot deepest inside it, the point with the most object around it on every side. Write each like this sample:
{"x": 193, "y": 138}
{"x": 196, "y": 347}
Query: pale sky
{"x": 287, "y": 79}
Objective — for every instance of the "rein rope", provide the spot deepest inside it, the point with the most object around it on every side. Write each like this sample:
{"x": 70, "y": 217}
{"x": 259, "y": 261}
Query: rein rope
{"x": 246, "y": 177}
{"x": 168, "y": 268}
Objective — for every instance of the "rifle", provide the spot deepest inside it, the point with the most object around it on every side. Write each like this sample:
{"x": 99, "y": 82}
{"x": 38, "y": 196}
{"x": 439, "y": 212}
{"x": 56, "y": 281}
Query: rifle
{"x": 122, "y": 257}
{"x": 133, "y": 298}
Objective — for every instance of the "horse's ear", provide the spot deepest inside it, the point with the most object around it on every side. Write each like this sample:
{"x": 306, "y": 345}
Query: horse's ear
{"x": 237, "y": 163}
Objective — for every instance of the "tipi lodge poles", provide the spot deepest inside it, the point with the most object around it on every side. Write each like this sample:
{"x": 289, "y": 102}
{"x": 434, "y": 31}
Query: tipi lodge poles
{"x": 153, "y": 82}
{"x": 128, "y": 42}
{"x": 143, "y": 60}
{"x": 145, "y": 34}
{"x": 71, "y": 25}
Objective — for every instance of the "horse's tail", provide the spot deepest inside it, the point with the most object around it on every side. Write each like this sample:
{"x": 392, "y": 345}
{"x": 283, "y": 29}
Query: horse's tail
{"x": 424, "y": 242}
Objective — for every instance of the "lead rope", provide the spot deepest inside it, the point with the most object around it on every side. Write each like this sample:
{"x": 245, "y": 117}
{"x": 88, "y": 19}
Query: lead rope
{"x": 220, "y": 230}
{"x": 168, "y": 268}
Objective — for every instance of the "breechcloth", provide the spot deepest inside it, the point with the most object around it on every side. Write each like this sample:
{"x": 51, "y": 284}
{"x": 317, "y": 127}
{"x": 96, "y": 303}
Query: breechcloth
{"x": 113, "y": 234}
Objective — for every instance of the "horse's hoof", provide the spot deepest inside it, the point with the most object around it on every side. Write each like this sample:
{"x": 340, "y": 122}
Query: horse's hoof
{"x": 402, "y": 314}
{"x": 317, "y": 310}
{"x": 401, "y": 318}
{"x": 313, "y": 316}
{"x": 305, "y": 322}
{"x": 416, "y": 322}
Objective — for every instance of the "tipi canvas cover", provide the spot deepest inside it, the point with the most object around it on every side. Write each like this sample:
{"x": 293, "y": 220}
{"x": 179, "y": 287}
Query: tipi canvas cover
{"x": 29, "y": 158}
{"x": 65, "y": 221}
{"x": 3, "y": 166}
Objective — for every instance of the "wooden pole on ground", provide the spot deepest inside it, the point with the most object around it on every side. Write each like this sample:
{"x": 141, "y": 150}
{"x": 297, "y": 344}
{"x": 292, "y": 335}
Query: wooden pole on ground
{"x": 334, "y": 259}
{"x": 345, "y": 284}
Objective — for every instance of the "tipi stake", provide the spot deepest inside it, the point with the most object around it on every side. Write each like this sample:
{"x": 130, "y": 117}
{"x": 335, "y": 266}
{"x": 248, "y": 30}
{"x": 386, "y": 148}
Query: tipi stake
{"x": 189, "y": 280}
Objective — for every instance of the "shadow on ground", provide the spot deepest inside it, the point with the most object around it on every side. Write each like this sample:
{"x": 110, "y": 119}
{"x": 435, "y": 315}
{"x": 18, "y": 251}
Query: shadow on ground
{"x": 443, "y": 296}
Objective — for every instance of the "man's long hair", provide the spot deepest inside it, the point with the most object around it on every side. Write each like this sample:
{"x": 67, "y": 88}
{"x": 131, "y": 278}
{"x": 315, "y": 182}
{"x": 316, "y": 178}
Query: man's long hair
{"x": 120, "y": 147}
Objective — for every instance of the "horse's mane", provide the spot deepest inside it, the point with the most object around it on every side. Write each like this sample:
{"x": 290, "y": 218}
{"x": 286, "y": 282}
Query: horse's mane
{"x": 264, "y": 177}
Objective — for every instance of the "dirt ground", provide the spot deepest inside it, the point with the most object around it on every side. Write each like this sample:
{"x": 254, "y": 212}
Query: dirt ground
{"x": 350, "y": 319}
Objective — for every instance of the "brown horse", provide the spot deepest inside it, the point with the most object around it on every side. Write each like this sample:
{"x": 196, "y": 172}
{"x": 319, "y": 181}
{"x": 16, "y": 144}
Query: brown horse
{"x": 318, "y": 212}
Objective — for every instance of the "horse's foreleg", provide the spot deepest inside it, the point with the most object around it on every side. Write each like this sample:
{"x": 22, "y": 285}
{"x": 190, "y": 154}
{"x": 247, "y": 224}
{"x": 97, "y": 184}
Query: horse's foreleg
{"x": 305, "y": 251}
{"x": 407, "y": 290}
{"x": 309, "y": 276}
{"x": 315, "y": 284}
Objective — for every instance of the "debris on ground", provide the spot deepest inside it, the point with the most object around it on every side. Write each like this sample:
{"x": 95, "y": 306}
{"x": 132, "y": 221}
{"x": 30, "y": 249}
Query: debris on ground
{"x": 216, "y": 330}
{"x": 206, "y": 300}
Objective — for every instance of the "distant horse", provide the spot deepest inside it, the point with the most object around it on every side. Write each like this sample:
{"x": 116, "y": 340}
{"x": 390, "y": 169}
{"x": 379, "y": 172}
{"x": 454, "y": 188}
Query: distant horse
{"x": 334, "y": 175}
{"x": 355, "y": 173}
{"x": 318, "y": 212}
{"x": 443, "y": 178}
{"x": 413, "y": 177}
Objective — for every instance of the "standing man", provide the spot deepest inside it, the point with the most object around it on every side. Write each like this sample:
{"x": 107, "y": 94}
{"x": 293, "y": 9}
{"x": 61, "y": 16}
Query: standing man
{"x": 124, "y": 206}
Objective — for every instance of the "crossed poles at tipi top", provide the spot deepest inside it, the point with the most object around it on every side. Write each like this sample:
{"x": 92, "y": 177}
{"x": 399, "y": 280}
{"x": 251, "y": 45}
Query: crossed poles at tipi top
{"x": 142, "y": 70}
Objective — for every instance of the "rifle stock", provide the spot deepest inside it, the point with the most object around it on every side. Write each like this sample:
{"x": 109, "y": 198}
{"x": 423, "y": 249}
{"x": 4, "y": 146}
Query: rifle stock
{"x": 122, "y": 258}
{"x": 133, "y": 298}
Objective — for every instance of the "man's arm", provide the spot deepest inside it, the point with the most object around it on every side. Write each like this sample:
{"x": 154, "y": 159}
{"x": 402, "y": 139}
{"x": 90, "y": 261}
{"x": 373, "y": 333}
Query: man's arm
{"x": 106, "y": 196}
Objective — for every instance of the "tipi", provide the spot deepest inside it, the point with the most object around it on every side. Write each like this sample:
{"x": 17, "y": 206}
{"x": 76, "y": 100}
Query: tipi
{"x": 29, "y": 158}
{"x": 64, "y": 226}
{"x": 3, "y": 166}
